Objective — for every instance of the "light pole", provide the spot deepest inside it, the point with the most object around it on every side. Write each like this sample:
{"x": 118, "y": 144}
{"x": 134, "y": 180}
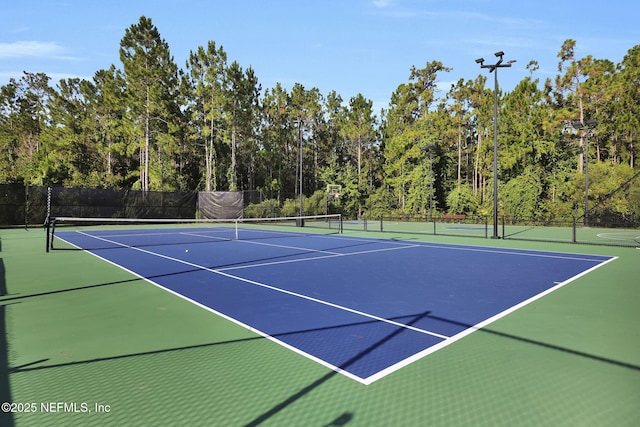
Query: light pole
{"x": 588, "y": 126}
{"x": 430, "y": 149}
{"x": 493, "y": 68}
{"x": 299, "y": 121}
{"x": 298, "y": 185}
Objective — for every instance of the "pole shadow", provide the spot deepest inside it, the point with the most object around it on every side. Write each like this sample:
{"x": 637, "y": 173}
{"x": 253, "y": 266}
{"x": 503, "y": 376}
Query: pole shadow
{"x": 6, "y": 418}
{"x": 308, "y": 389}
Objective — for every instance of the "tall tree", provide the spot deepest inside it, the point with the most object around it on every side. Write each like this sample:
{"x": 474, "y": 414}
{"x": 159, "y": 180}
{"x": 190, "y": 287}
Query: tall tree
{"x": 306, "y": 114}
{"x": 359, "y": 131}
{"x": 277, "y": 151}
{"x": 151, "y": 88}
{"x": 460, "y": 104}
{"x": 570, "y": 93}
{"x": 241, "y": 96}
{"x": 120, "y": 170}
{"x": 204, "y": 84}
{"x": 72, "y": 136}
{"x": 625, "y": 101}
{"x": 407, "y": 126}
{"x": 24, "y": 104}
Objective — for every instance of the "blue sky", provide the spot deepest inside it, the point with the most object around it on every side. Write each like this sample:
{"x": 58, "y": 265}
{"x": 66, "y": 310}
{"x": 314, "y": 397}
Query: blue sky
{"x": 350, "y": 46}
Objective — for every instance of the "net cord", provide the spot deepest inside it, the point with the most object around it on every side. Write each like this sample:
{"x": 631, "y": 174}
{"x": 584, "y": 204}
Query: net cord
{"x": 51, "y": 222}
{"x": 193, "y": 221}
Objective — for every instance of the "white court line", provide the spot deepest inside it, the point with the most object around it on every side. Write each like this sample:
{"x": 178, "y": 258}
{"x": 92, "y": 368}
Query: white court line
{"x": 478, "y": 326}
{"x": 274, "y": 288}
{"x": 445, "y": 339}
{"x": 156, "y": 233}
{"x": 290, "y": 247}
{"x": 231, "y": 319}
{"x": 521, "y": 252}
{"x": 312, "y": 258}
{"x": 248, "y": 265}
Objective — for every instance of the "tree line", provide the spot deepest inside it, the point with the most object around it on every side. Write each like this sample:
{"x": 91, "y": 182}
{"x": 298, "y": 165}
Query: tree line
{"x": 151, "y": 125}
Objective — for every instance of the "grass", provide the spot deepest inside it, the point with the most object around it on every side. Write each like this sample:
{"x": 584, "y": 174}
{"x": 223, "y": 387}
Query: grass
{"x": 76, "y": 330}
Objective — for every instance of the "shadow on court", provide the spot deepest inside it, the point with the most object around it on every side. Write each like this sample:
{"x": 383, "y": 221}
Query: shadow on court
{"x": 13, "y": 297}
{"x": 308, "y": 389}
{"x": 6, "y": 418}
{"x": 272, "y": 409}
{"x": 543, "y": 344}
{"x": 415, "y": 318}
{"x": 30, "y": 367}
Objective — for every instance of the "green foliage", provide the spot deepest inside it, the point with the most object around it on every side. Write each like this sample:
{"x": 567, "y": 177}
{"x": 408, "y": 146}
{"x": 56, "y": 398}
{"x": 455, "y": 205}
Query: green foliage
{"x": 520, "y": 196}
{"x": 380, "y": 203}
{"x": 267, "y": 209}
{"x": 150, "y": 125}
{"x": 612, "y": 190}
{"x": 461, "y": 201}
{"x": 291, "y": 207}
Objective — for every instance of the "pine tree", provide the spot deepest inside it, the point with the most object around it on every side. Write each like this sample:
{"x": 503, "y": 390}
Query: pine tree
{"x": 151, "y": 91}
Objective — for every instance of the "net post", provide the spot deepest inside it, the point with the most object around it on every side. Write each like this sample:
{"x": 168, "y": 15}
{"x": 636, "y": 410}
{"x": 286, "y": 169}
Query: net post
{"x": 50, "y": 234}
{"x": 381, "y": 227}
{"x": 433, "y": 218}
{"x": 340, "y": 219}
{"x": 47, "y": 228}
{"x": 573, "y": 227}
{"x": 236, "y": 226}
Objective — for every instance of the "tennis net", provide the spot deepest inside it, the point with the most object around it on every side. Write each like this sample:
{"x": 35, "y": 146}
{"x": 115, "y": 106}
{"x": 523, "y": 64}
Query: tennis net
{"x": 108, "y": 233}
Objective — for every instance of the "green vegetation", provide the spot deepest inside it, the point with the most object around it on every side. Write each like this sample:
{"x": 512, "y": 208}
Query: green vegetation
{"x": 151, "y": 125}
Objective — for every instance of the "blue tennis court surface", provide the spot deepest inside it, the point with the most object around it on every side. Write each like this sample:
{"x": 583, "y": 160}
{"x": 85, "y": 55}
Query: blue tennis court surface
{"x": 363, "y": 307}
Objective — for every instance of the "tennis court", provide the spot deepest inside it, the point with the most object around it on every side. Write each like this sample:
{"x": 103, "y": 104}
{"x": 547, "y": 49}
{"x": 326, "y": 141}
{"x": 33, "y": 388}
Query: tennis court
{"x": 261, "y": 323}
{"x": 363, "y": 307}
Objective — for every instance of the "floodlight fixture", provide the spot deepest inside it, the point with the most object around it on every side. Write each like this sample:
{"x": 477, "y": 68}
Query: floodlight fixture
{"x": 429, "y": 147}
{"x": 493, "y": 68}
{"x": 578, "y": 124}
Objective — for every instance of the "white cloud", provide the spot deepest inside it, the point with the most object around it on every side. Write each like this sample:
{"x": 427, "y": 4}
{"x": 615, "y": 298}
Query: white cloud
{"x": 381, "y": 4}
{"x": 21, "y": 49}
{"x": 6, "y": 76}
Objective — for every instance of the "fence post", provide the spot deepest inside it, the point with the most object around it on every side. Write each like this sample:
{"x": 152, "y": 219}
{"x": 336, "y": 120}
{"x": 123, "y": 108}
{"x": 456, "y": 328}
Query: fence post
{"x": 486, "y": 227}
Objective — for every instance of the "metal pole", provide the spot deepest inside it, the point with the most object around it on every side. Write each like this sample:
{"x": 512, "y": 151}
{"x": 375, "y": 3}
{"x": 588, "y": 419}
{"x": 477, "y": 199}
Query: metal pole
{"x": 493, "y": 68}
{"x": 300, "y": 153}
{"x": 430, "y": 185}
{"x": 587, "y": 127}
{"x": 495, "y": 154}
{"x": 586, "y": 178}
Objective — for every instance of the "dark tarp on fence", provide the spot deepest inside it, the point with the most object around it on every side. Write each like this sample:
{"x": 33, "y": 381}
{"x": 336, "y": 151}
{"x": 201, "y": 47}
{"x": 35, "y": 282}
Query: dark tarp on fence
{"x": 13, "y": 204}
{"x": 25, "y": 205}
{"x": 220, "y": 204}
{"x": 101, "y": 203}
